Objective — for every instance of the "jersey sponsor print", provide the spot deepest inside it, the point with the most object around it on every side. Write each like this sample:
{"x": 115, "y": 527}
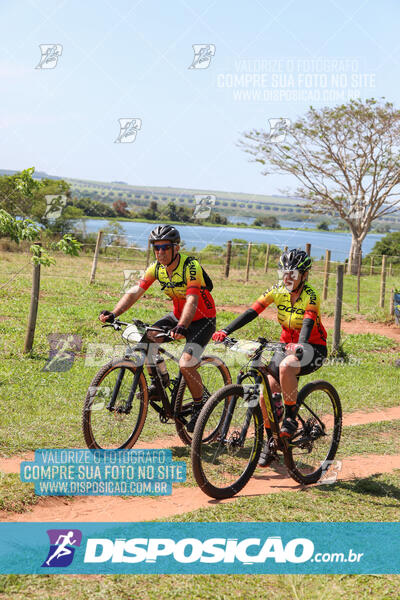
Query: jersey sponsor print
{"x": 186, "y": 279}
{"x": 291, "y": 318}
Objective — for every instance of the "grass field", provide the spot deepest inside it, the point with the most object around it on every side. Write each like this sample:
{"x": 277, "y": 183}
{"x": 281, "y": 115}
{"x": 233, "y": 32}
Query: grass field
{"x": 43, "y": 409}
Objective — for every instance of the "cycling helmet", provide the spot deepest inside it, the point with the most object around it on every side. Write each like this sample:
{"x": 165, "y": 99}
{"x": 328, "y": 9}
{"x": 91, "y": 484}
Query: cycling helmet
{"x": 164, "y": 232}
{"x": 295, "y": 259}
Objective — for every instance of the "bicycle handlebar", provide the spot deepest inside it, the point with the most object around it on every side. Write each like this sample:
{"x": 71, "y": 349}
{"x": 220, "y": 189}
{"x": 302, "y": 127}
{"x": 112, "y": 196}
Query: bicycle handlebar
{"x": 264, "y": 343}
{"x": 117, "y": 325}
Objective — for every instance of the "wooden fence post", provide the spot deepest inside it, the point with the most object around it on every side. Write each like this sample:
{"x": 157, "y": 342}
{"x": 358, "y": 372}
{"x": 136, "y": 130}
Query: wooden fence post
{"x": 338, "y": 309}
{"x": 30, "y": 332}
{"x": 96, "y": 256}
{"x": 371, "y": 269}
{"x": 228, "y": 258}
{"x": 248, "y": 261}
{"x": 358, "y": 281}
{"x": 308, "y": 249}
{"x": 326, "y": 274}
{"x": 390, "y": 268}
{"x": 383, "y": 282}
{"x": 266, "y": 259}
{"x": 148, "y": 254}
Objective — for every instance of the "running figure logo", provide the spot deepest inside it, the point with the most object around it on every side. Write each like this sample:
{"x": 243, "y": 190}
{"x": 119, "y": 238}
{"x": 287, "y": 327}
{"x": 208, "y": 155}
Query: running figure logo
{"x": 61, "y": 551}
{"x": 278, "y": 129}
{"x": 50, "y": 55}
{"x": 55, "y": 205}
{"x": 128, "y": 130}
{"x": 204, "y": 205}
{"x": 203, "y": 54}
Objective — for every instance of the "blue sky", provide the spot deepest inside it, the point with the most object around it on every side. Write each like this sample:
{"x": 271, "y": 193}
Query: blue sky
{"x": 131, "y": 60}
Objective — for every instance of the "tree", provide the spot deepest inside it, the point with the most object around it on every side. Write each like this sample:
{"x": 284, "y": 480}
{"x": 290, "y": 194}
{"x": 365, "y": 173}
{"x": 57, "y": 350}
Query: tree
{"x": 120, "y": 207}
{"x": 270, "y": 222}
{"x": 25, "y": 229}
{"x": 151, "y": 213}
{"x": 17, "y": 192}
{"x": 389, "y": 245}
{"x": 114, "y": 234}
{"x": 171, "y": 212}
{"x": 22, "y": 195}
{"x": 323, "y": 226}
{"x": 346, "y": 160}
{"x": 67, "y": 220}
{"x": 216, "y": 217}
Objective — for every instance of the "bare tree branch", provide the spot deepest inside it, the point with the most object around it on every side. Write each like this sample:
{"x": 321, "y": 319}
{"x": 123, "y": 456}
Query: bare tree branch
{"x": 346, "y": 159}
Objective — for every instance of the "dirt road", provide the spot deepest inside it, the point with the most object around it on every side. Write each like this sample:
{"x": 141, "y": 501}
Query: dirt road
{"x": 184, "y": 499}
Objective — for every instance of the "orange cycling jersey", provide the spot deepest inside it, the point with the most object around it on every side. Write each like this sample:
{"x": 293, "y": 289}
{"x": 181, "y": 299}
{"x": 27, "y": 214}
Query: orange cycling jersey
{"x": 185, "y": 279}
{"x": 291, "y": 317}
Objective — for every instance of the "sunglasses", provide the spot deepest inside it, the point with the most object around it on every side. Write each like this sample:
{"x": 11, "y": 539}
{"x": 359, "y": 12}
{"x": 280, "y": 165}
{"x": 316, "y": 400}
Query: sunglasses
{"x": 162, "y": 247}
{"x": 294, "y": 273}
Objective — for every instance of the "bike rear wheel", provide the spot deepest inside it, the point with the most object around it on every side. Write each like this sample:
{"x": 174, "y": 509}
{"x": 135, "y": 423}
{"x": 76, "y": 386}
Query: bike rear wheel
{"x": 223, "y": 466}
{"x": 312, "y": 449}
{"x": 214, "y": 375}
{"x": 109, "y": 419}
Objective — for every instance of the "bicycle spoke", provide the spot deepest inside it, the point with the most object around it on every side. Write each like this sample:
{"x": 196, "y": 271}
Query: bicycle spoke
{"x": 113, "y": 415}
{"x": 315, "y": 443}
{"x": 214, "y": 375}
{"x": 224, "y": 465}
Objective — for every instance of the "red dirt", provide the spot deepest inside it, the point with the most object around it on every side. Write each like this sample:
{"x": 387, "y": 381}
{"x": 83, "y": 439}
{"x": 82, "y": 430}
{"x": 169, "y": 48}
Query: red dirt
{"x": 357, "y": 325}
{"x": 12, "y": 464}
{"x": 182, "y": 500}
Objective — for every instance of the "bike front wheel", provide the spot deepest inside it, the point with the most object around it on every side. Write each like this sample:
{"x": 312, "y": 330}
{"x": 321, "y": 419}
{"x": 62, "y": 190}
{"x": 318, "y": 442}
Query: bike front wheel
{"x": 223, "y": 466}
{"x": 214, "y": 375}
{"x": 115, "y": 409}
{"x": 312, "y": 449}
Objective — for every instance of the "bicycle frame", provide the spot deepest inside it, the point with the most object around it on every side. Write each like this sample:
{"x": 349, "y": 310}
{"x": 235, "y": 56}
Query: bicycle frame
{"x": 260, "y": 375}
{"x": 259, "y": 372}
{"x": 167, "y": 403}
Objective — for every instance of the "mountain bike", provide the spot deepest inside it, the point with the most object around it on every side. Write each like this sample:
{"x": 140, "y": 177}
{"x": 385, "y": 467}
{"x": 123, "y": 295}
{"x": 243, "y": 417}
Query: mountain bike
{"x": 224, "y": 466}
{"x": 117, "y": 400}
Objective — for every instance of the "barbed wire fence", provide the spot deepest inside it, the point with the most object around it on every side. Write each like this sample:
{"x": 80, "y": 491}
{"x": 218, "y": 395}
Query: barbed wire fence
{"x": 246, "y": 262}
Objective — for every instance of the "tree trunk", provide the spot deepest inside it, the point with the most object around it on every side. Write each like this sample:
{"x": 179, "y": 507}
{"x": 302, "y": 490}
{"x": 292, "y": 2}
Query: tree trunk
{"x": 354, "y": 255}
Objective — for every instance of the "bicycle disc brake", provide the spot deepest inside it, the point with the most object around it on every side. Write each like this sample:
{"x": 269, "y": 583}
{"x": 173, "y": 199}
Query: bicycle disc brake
{"x": 233, "y": 444}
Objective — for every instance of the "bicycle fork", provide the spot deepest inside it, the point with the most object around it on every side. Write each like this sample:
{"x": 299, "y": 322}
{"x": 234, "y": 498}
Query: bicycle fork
{"x": 128, "y": 406}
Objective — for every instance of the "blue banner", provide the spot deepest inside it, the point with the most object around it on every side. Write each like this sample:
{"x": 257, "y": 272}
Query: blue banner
{"x": 110, "y": 548}
{"x": 75, "y": 472}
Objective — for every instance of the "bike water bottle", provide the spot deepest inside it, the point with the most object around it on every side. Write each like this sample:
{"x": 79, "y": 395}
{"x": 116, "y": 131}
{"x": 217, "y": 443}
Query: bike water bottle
{"x": 162, "y": 368}
{"x": 278, "y": 404}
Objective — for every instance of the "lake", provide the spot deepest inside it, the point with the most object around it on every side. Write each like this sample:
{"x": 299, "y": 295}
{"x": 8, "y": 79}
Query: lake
{"x": 197, "y": 237}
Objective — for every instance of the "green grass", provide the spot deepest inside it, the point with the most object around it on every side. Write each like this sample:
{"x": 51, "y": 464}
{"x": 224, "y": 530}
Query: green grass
{"x": 199, "y": 587}
{"x": 235, "y": 291}
{"x": 368, "y": 499}
{"x": 363, "y": 342}
{"x": 16, "y": 496}
{"x": 41, "y": 409}
{"x": 373, "y": 438}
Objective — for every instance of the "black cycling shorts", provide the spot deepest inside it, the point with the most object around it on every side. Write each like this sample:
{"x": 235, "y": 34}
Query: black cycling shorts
{"x": 198, "y": 333}
{"x": 313, "y": 358}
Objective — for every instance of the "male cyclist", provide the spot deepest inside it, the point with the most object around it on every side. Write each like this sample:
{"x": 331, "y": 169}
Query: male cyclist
{"x": 302, "y": 331}
{"x": 193, "y": 317}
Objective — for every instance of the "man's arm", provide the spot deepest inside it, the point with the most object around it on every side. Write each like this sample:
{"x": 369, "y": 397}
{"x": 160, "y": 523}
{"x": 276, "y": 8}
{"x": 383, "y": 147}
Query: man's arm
{"x": 189, "y": 310}
{"x": 133, "y": 294}
{"x": 128, "y": 300}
